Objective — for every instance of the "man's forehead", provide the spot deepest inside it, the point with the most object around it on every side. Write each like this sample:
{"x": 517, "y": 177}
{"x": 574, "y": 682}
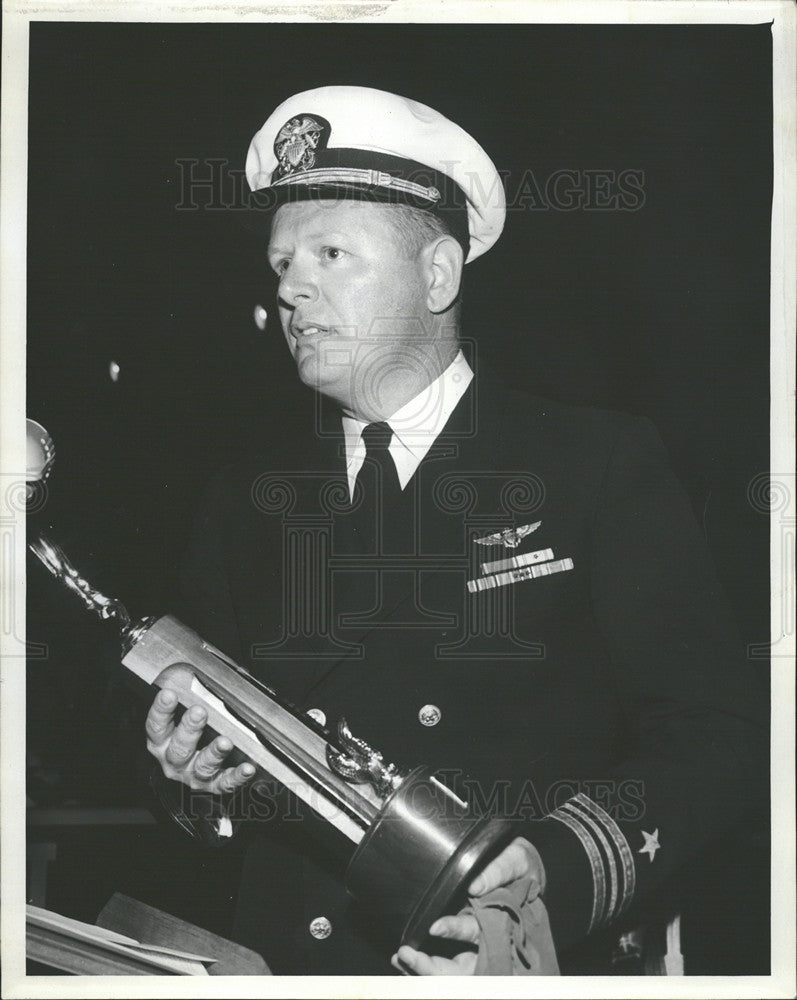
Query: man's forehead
{"x": 310, "y": 219}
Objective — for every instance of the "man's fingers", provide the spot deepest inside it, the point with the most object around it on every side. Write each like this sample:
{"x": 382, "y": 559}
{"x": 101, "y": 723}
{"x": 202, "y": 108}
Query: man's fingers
{"x": 413, "y": 961}
{"x": 394, "y": 961}
{"x": 160, "y": 718}
{"x": 234, "y": 777}
{"x": 416, "y": 962}
{"x": 203, "y": 770}
{"x": 210, "y": 759}
{"x": 461, "y": 928}
{"x": 182, "y": 746}
{"x": 513, "y": 862}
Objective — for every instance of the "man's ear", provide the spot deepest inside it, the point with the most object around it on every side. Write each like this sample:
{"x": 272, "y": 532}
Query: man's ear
{"x": 444, "y": 260}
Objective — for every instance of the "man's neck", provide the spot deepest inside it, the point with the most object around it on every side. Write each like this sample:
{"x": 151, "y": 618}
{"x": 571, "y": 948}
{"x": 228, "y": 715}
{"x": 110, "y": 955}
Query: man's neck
{"x": 415, "y": 426}
{"x": 398, "y": 391}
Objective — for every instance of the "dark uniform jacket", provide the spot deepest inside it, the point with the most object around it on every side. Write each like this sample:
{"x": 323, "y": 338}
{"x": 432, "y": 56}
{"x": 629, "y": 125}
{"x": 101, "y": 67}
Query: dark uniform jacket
{"x": 607, "y": 706}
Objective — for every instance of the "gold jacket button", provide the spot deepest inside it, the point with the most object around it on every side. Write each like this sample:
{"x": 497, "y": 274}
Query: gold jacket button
{"x": 320, "y": 928}
{"x": 429, "y": 715}
{"x": 317, "y": 715}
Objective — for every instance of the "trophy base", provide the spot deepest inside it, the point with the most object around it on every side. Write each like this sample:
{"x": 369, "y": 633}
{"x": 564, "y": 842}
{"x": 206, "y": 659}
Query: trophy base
{"x": 420, "y": 852}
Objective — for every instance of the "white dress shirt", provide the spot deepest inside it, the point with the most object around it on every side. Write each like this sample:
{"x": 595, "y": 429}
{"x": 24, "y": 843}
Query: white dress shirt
{"x": 415, "y": 425}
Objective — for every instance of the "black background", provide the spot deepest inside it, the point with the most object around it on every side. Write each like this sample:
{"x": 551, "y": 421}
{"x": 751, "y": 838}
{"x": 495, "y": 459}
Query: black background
{"x": 662, "y": 311}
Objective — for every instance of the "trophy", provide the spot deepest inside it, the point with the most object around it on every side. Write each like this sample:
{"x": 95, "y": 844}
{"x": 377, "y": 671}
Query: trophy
{"x": 416, "y": 841}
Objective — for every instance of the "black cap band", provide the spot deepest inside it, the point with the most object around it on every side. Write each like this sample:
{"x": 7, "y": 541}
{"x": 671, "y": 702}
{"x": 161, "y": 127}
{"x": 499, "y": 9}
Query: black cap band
{"x": 364, "y": 175}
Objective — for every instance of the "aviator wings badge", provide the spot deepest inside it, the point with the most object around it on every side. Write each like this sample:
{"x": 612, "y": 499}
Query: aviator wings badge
{"x": 510, "y": 538}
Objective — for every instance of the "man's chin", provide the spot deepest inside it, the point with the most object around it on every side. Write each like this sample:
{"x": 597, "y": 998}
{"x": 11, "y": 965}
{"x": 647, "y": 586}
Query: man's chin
{"x": 314, "y": 375}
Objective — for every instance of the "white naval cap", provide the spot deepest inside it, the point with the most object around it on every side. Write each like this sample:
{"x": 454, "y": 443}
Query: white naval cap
{"x": 356, "y": 142}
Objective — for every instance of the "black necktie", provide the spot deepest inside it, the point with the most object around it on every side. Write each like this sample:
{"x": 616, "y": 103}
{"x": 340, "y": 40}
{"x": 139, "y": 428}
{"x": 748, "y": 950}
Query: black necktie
{"x": 377, "y": 438}
{"x": 383, "y": 502}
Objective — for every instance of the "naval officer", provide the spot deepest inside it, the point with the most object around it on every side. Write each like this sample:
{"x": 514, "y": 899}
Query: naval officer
{"x": 507, "y": 586}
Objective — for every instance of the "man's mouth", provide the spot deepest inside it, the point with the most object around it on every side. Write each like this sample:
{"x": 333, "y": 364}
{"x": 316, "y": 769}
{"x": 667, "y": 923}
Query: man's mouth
{"x": 303, "y": 330}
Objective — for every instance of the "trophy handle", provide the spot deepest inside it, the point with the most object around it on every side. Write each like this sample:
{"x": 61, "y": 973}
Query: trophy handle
{"x": 421, "y": 851}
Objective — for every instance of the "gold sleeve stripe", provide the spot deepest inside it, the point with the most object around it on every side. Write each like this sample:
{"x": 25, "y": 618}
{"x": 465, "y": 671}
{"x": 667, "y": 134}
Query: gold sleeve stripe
{"x": 598, "y": 870}
{"x": 621, "y": 844}
{"x": 585, "y": 818}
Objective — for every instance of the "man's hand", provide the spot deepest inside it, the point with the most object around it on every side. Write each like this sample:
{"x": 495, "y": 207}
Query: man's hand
{"x": 175, "y": 747}
{"x": 513, "y": 862}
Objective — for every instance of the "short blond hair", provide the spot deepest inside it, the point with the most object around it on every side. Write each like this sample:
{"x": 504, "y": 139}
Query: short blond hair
{"x": 416, "y": 227}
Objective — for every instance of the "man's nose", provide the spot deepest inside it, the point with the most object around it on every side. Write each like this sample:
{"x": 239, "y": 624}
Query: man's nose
{"x": 297, "y": 284}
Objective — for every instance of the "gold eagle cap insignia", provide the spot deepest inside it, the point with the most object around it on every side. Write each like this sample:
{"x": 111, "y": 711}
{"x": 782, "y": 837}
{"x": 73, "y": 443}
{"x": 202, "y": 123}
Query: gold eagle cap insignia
{"x": 510, "y": 538}
{"x": 297, "y": 143}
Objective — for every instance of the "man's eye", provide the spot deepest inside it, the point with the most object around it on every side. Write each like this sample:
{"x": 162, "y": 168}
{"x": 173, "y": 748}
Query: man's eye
{"x": 332, "y": 253}
{"x": 280, "y": 267}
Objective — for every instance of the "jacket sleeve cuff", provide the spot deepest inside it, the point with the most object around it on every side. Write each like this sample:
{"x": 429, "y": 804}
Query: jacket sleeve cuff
{"x": 589, "y": 867}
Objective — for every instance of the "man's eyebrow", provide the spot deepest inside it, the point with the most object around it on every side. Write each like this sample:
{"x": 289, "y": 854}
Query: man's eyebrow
{"x": 320, "y": 234}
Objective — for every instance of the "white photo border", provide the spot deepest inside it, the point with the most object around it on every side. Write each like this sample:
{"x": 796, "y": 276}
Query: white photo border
{"x": 783, "y": 302}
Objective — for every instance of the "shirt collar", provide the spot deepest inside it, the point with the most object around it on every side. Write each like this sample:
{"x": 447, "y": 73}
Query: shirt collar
{"x": 416, "y": 425}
